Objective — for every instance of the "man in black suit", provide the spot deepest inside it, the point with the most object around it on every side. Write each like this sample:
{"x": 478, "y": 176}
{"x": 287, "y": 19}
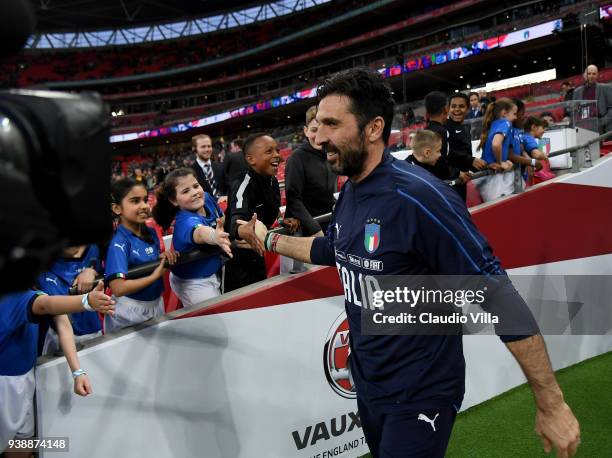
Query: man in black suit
{"x": 234, "y": 165}
{"x": 475, "y": 107}
{"x": 209, "y": 173}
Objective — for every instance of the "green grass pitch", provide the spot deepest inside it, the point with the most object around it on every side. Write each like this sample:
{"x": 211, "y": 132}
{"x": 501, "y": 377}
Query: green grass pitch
{"x": 503, "y": 426}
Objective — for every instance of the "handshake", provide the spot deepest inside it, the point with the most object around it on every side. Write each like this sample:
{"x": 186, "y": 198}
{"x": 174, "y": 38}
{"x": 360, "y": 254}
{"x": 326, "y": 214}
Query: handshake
{"x": 254, "y": 233}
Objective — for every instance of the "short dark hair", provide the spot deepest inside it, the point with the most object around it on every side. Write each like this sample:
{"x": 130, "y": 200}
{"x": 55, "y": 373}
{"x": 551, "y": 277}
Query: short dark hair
{"x": 534, "y": 121}
{"x": 248, "y": 143}
{"x": 435, "y": 102}
{"x": 238, "y": 142}
{"x": 459, "y": 95}
{"x": 547, "y": 113}
{"x": 473, "y": 93}
{"x": 369, "y": 94}
{"x": 519, "y": 104}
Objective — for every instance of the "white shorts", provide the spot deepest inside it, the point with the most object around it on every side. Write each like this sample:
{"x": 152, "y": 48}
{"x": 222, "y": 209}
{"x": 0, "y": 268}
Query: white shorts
{"x": 51, "y": 344}
{"x": 16, "y": 407}
{"x": 129, "y": 312}
{"x": 193, "y": 291}
{"x": 495, "y": 186}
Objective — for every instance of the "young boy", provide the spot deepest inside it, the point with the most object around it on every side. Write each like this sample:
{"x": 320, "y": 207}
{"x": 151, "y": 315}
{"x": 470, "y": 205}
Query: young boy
{"x": 436, "y": 106}
{"x": 255, "y": 197}
{"x": 309, "y": 181}
{"x": 460, "y": 140}
{"x": 426, "y": 151}
{"x": 20, "y": 314}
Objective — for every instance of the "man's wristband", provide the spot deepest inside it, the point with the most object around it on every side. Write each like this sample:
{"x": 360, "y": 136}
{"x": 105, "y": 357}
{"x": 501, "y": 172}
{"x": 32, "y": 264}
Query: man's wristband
{"x": 85, "y": 303}
{"x": 270, "y": 241}
{"x": 78, "y": 372}
{"x": 533, "y": 162}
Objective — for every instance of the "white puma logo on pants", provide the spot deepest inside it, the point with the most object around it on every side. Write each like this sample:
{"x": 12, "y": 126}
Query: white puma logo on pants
{"x": 424, "y": 417}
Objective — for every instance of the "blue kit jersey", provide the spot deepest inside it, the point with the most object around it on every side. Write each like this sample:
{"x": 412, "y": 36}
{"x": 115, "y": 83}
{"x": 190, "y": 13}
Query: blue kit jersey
{"x": 182, "y": 240}
{"x": 499, "y": 126}
{"x": 529, "y": 143}
{"x": 516, "y": 140}
{"x": 58, "y": 281}
{"x": 127, "y": 250}
{"x": 18, "y": 333}
{"x": 401, "y": 220}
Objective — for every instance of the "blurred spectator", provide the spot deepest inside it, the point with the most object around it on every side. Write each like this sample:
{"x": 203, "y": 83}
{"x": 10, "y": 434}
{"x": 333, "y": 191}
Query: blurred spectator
{"x": 484, "y": 100}
{"x": 602, "y": 93}
{"x": 548, "y": 117}
{"x": 408, "y": 117}
{"x": 138, "y": 178}
{"x": 234, "y": 165}
{"x": 475, "y": 107}
{"x": 567, "y": 90}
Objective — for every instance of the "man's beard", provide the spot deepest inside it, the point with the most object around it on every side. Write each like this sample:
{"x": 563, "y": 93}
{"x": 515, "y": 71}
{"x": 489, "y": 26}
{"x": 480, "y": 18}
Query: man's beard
{"x": 351, "y": 160}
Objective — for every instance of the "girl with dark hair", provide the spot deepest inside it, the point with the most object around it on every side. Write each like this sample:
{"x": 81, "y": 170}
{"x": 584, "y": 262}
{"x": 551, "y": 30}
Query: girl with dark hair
{"x": 133, "y": 244}
{"x": 495, "y": 141}
{"x": 199, "y": 221}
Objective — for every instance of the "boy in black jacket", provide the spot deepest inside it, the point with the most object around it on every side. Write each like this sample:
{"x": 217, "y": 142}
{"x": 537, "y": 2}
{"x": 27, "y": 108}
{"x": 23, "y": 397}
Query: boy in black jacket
{"x": 309, "y": 181}
{"x": 255, "y": 197}
{"x": 460, "y": 141}
{"x": 426, "y": 151}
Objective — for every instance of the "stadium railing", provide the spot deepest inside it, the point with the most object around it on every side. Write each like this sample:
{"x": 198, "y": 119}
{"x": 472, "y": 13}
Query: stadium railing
{"x": 204, "y": 252}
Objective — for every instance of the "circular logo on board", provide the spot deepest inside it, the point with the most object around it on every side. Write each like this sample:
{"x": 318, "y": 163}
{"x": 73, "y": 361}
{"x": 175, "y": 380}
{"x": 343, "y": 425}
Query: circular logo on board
{"x": 336, "y": 356}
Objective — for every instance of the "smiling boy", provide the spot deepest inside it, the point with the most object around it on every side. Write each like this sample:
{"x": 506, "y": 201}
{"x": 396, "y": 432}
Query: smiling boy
{"x": 256, "y": 196}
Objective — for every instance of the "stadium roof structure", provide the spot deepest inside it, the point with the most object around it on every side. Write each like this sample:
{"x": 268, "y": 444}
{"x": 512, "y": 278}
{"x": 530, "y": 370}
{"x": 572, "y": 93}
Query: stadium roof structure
{"x": 90, "y": 23}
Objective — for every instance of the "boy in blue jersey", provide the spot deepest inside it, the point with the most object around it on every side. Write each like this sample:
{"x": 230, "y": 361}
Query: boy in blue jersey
{"x": 20, "y": 314}
{"x": 408, "y": 387}
{"x": 77, "y": 267}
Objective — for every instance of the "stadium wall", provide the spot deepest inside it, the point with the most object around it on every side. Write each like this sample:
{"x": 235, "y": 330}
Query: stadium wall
{"x": 249, "y": 374}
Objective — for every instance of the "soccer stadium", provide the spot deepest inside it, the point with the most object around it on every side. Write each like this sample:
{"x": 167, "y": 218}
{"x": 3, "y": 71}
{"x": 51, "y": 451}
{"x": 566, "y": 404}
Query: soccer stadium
{"x": 306, "y": 228}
